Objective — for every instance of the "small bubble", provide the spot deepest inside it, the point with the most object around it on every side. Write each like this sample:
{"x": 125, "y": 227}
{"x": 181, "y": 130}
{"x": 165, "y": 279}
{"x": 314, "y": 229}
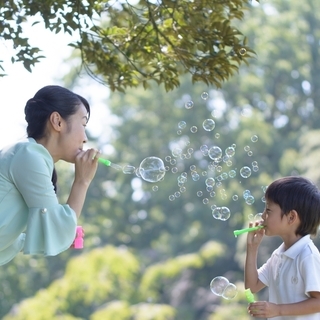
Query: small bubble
{"x": 195, "y": 177}
{"x": 183, "y": 189}
{"x": 217, "y": 135}
{"x": 167, "y": 158}
{"x": 174, "y": 170}
{"x": 190, "y": 150}
{"x": 246, "y": 148}
{"x": 155, "y": 188}
{"x": 246, "y": 194}
{"x": 172, "y": 197}
{"x": 205, "y": 201}
{"x": 208, "y": 124}
{"x": 232, "y": 173}
{"x": 225, "y": 213}
{"x": 189, "y": 104}
{"x": 204, "y": 150}
{"x": 230, "y": 151}
{"x": 242, "y": 51}
{"x": 245, "y": 172}
{"x": 173, "y": 162}
{"x": 199, "y": 194}
{"x": 127, "y": 169}
{"x": 254, "y": 138}
{"x": 250, "y": 153}
{"x": 179, "y": 132}
{"x": 215, "y": 153}
{"x": 216, "y": 213}
{"x": 249, "y": 200}
{"x": 177, "y": 194}
{"x": 204, "y": 95}
{"x": 255, "y": 169}
{"x": 210, "y": 182}
{"x": 235, "y": 197}
{"x": 182, "y": 124}
{"x": 194, "y": 129}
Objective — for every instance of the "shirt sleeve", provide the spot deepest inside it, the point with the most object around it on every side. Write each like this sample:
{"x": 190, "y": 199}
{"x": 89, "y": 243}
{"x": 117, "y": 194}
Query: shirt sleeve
{"x": 51, "y": 227}
{"x": 310, "y": 267}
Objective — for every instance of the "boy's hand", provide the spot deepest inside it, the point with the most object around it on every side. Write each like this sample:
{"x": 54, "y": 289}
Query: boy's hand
{"x": 254, "y": 238}
{"x": 263, "y": 309}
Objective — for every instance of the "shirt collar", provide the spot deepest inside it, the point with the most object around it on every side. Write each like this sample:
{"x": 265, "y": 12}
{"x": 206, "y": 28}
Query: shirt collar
{"x": 296, "y": 248}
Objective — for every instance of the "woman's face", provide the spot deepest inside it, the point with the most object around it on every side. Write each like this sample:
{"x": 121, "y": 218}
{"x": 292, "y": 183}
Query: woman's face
{"x": 73, "y": 135}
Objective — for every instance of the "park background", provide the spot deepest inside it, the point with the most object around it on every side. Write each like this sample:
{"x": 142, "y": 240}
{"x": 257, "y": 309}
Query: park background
{"x": 147, "y": 256}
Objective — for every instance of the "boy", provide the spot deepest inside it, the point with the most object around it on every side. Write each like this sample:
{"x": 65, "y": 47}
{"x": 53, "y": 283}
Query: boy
{"x": 292, "y": 273}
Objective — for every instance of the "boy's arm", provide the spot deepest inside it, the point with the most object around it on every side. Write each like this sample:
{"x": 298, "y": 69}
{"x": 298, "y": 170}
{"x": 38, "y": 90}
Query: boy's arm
{"x": 251, "y": 279}
{"x": 264, "y": 309}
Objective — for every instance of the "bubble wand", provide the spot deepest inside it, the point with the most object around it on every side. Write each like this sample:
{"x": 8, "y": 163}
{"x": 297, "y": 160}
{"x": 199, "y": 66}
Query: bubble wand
{"x": 238, "y": 232}
{"x": 249, "y": 295}
{"x": 108, "y": 163}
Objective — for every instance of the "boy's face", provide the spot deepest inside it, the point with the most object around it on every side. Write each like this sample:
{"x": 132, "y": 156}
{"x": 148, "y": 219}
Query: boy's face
{"x": 272, "y": 220}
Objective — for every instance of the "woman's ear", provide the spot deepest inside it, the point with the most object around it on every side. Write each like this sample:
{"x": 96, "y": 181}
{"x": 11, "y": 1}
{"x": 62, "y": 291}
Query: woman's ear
{"x": 56, "y": 121}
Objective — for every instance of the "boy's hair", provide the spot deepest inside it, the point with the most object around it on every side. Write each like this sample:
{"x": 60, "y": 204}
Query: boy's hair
{"x": 301, "y": 195}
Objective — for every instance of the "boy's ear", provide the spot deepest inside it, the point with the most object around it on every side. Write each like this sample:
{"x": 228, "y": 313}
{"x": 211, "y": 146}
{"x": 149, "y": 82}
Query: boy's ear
{"x": 293, "y": 217}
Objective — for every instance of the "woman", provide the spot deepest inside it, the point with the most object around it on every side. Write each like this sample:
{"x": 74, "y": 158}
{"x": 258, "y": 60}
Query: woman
{"x": 31, "y": 218}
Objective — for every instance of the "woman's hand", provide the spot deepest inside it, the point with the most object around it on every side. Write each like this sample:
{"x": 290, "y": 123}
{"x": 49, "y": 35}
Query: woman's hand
{"x": 86, "y": 164}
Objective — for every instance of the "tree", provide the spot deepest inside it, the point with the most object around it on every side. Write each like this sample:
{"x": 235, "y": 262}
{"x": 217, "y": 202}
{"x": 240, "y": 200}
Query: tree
{"x": 124, "y": 45}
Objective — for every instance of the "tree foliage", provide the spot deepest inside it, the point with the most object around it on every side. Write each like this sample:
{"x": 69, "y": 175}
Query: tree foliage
{"x": 125, "y": 45}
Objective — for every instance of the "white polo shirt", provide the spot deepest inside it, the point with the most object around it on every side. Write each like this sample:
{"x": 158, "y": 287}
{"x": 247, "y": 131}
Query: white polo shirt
{"x": 291, "y": 274}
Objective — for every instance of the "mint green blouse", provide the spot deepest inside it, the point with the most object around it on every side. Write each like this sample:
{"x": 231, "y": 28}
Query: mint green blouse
{"x": 31, "y": 218}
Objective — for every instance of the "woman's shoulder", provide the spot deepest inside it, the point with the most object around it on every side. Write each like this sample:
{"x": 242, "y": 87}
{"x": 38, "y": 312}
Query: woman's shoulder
{"x": 25, "y": 150}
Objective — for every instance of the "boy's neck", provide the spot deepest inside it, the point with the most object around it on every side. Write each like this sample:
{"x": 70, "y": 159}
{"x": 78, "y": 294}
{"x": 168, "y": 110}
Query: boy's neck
{"x": 290, "y": 240}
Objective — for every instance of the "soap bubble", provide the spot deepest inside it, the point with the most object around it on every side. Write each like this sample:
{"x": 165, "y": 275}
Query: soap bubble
{"x": 230, "y": 151}
{"x": 127, "y": 169}
{"x": 182, "y": 124}
{"x": 245, "y": 172}
{"x": 189, "y": 104}
{"x": 230, "y": 291}
{"x": 218, "y": 285}
{"x": 208, "y": 124}
{"x": 242, "y": 51}
{"x": 204, "y": 95}
{"x": 254, "y": 138}
{"x": 194, "y": 129}
{"x": 215, "y": 153}
{"x": 225, "y": 213}
{"x": 152, "y": 169}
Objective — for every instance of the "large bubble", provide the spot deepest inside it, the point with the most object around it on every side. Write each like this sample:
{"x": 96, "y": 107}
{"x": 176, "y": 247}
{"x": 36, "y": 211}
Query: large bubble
{"x": 152, "y": 169}
{"x": 218, "y": 285}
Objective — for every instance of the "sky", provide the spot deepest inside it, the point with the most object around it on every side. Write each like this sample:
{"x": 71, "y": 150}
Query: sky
{"x": 20, "y": 85}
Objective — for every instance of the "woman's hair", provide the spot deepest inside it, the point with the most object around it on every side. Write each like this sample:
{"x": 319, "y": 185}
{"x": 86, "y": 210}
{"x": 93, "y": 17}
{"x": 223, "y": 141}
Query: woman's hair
{"x": 301, "y": 195}
{"x": 47, "y": 100}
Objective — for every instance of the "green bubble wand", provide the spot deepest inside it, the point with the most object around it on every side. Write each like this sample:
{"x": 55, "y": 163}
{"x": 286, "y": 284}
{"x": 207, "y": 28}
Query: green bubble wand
{"x": 108, "y": 163}
{"x": 249, "y": 295}
{"x": 238, "y": 232}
